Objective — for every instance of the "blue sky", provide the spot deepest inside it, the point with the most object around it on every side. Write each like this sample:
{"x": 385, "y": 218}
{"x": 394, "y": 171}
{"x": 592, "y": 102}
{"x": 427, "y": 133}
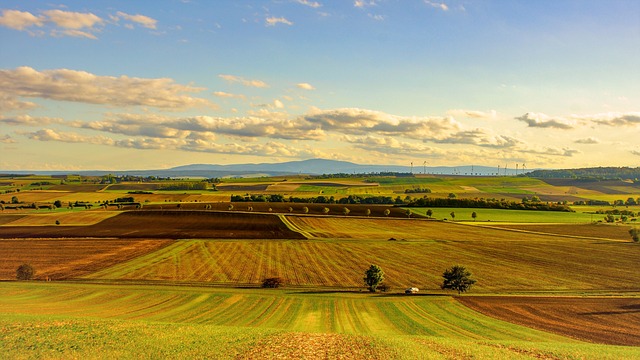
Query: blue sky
{"x": 152, "y": 84}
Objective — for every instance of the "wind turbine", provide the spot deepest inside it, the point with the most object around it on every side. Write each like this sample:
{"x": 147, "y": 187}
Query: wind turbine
{"x": 424, "y": 170}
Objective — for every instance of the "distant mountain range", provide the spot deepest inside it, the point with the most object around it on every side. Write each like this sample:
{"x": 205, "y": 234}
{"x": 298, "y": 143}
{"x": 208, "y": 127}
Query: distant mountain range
{"x": 307, "y": 167}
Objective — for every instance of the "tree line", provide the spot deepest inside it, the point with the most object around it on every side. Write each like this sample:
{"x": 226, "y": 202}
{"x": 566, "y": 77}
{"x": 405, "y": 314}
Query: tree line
{"x": 488, "y": 204}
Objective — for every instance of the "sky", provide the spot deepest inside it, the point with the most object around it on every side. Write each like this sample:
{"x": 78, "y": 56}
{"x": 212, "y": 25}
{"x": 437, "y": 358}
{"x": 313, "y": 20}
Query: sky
{"x": 123, "y": 85}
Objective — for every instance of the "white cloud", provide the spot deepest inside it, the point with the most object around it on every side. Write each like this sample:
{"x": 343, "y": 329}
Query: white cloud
{"x": 305, "y": 86}
{"x": 19, "y": 20}
{"x": 72, "y": 20}
{"x": 273, "y": 21}
{"x": 389, "y": 145}
{"x": 278, "y": 104}
{"x": 61, "y": 23}
{"x": 245, "y": 82}
{"x": 437, "y": 5}
{"x": 612, "y": 119}
{"x": 363, "y": 3}
{"x": 472, "y": 114}
{"x": 81, "y": 86}
{"x": 142, "y": 20}
{"x": 544, "y": 121}
{"x": 223, "y": 94}
{"x": 6, "y": 139}
{"x": 8, "y": 102}
{"x": 27, "y": 120}
{"x": 589, "y": 140}
{"x": 313, "y": 4}
{"x": 193, "y": 145}
{"x": 355, "y": 121}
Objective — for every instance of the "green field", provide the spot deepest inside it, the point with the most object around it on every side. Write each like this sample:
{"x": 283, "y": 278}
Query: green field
{"x": 515, "y": 216}
{"x": 107, "y": 321}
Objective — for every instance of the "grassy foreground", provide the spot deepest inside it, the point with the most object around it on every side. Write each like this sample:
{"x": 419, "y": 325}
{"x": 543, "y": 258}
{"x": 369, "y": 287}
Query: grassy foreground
{"x": 49, "y": 320}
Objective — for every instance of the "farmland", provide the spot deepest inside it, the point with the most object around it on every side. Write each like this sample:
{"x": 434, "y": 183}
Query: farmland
{"x": 259, "y": 323}
{"x": 178, "y": 274}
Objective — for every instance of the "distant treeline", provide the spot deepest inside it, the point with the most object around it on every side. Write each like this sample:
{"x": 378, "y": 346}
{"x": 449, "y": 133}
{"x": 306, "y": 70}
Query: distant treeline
{"x": 599, "y": 173}
{"x": 351, "y": 199}
{"x": 359, "y": 175}
{"x": 488, "y": 204}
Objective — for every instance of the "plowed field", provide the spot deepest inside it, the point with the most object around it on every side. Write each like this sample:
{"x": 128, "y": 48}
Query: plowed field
{"x": 63, "y": 259}
{"x": 180, "y": 224}
{"x": 614, "y": 321}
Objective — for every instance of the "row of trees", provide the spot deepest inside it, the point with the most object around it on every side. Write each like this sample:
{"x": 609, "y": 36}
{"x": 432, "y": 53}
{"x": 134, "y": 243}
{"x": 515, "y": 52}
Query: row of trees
{"x": 487, "y": 204}
{"x": 456, "y": 278}
{"x": 351, "y": 199}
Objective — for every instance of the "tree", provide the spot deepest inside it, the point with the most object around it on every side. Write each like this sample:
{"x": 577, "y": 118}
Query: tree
{"x": 25, "y": 272}
{"x": 230, "y": 207}
{"x": 57, "y": 203}
{"x": 635, "y": 234}
{"x": 429, "y": 213}
{"x": 387, "y": 212}
{"x": 452, "y": 196}
{"x": 373, "y": 277}
{"x": 346, "y": 211}
{"x": 305, "y": 210}
{"x": 274, "y": 282}
{"x": 408, "y": 213}
{"x": 474, "y": 215}
{"x": 14, "y": 200}
{"x": 457, "y": 278}
{"x": 325, "y": 211}
{"x": 453, "y": 215}
{"x": 290, "y": 209}
{"x": 368, "y": 212}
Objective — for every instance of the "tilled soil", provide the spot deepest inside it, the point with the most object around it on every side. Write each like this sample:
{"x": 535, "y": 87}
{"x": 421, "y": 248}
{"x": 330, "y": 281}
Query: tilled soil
{"x": 614, "y": 321}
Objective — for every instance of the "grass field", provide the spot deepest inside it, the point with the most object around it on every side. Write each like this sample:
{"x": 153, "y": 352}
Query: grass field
{"x": 100, "y": 321}
{"x": 502, "y": 215}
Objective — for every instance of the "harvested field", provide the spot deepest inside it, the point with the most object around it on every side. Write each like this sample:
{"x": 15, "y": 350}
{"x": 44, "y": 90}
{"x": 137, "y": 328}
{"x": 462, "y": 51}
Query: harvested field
{"x": 614, "y": 321}
{"x": 534, "y": 263}
{"x": 605, "y": 231}
{"x": 604, "y": 187}
{"x": 7, "y": 218}
{"x": 179, "y": 224}
{"x": 77, "y": 218}
{"x": 64, "y": 259}
{"x": 242, "y": 187}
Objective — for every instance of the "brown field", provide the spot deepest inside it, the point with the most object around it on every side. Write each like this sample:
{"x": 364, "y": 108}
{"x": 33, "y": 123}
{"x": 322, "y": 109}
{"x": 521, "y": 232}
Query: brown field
{"x": 604, "y": 231}
{"x": 7, "y": 218}
{"x": 614, "y": 321}
{"x": 166, "y": 224}
{"x": 63, "y": 259}
{"x": 604, "y": 187}
{"x": 77, "y": 218}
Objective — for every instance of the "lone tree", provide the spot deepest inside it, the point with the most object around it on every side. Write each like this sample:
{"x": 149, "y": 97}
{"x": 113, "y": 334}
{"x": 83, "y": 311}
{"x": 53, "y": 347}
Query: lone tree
{"x": 453, "y": 216}
{"x": 25, "y": 272}
{"x": 325, "y": 211}
{"x": 373, "y": 277}
{"x": 457, "y": 278}
{"x": 387, "y": 212}
{"x": 429, "y": 213}
{"x": 346, "y": 211}
{"x": 408, "y": 213}
{"x": 474, "y": 215}
{"x": 368, "y": 212}
{"x": 635, "y": 234}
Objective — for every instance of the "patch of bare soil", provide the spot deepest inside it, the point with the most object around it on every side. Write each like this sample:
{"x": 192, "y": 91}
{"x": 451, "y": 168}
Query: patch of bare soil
{"x": 167, "y": 224}
{"x": 614, "y": 321}
{"x": 64, "y": 259}
{"x": 315, "y": 346}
